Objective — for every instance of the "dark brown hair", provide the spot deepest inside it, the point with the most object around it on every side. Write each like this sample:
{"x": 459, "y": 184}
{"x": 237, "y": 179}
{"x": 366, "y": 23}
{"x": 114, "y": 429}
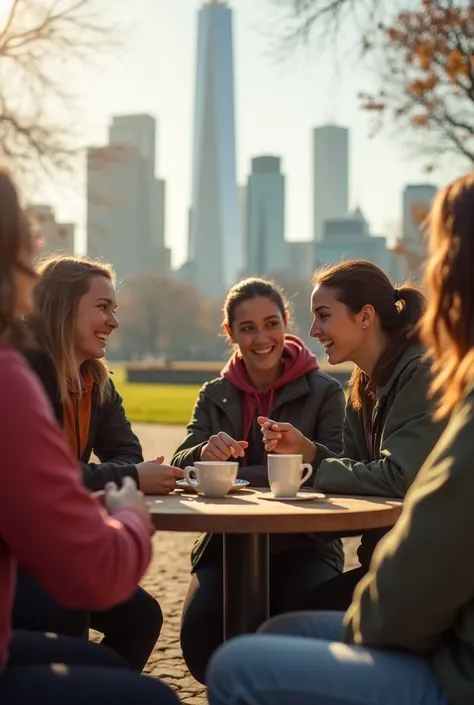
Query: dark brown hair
{"x": 15, "y": 236}
{"x": 64, "y": 279}
{"x": 448, "y": 324}
{"x": 358, "y": 283}
{"x": 253, "y": 288}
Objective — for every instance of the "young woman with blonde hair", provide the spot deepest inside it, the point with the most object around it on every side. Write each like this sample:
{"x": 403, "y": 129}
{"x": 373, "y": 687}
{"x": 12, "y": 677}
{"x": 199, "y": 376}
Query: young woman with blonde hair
{"x": 74, "y": 317}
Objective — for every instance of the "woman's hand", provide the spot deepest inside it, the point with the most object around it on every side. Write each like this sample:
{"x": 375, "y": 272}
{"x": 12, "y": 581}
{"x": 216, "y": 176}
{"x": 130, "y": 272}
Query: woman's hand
{"x": 285, "y": 438}
{"x": 222, "y": 446}
{"x": 156, "y": 478}
{"x": 127, "y": 497}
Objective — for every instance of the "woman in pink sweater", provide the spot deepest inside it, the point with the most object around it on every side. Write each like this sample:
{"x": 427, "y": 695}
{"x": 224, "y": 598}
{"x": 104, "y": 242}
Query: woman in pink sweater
{"x": 88, "y": 557}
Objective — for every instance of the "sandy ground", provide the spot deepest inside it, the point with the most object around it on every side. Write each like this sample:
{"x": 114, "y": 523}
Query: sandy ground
{"x": 168, "y": 576}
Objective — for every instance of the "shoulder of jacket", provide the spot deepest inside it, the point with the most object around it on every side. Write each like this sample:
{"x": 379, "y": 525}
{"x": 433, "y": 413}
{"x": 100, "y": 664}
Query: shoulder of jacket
{"x": 319, "y": 380}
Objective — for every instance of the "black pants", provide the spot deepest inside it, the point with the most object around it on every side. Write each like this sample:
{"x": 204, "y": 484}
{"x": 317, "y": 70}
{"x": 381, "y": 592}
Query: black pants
{"x": 131, "y": 629}
{"x": 63, "y": 670}
{"x": 293, "y": 576}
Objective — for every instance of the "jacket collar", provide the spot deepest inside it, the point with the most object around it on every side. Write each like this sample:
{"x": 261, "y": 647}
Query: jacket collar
{"x": 411, "y": 354}
{"x": 226, "y": 396}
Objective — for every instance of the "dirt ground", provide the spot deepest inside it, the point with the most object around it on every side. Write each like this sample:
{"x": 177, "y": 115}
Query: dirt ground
{"x": 168, "y": 576}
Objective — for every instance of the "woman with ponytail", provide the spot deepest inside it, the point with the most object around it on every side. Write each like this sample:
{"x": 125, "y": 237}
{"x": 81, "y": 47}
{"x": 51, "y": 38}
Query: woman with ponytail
{"x": 358, "y": 316}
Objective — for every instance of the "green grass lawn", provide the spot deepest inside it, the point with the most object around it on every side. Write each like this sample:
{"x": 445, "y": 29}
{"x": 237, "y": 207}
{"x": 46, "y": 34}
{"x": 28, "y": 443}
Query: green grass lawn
{"x": 155, "y": 403}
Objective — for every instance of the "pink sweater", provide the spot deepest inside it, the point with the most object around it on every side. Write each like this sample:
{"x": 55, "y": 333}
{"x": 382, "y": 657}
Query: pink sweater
{"x": 48, "y": 522}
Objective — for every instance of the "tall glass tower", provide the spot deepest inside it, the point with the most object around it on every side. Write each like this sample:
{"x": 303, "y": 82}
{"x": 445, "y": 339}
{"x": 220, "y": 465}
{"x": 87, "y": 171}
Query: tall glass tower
{"x": 214, "y": 245}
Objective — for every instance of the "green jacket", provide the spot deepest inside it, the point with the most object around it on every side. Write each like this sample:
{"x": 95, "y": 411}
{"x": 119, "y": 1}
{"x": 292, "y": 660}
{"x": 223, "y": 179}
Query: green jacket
{"x": 314, "y": 403}
{"x": 403, "y": 436}
{"x": 419, "y": 593}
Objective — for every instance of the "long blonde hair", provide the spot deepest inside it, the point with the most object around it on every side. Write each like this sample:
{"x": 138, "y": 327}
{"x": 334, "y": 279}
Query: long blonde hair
{"x": 63, "y": 281}
{"x": 448, "y": 327}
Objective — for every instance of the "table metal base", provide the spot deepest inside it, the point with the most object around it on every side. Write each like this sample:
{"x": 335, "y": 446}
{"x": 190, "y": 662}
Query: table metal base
{"x": 246, "y": 583}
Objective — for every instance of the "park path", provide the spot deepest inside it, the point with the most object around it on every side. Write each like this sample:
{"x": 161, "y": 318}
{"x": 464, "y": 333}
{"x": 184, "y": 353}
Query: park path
{"x": 168, "y": 577}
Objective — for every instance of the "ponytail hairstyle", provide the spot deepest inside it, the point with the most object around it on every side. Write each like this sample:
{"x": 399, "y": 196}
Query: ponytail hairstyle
{"x": 358, "y": 283}
{"x": 448, "y": 325}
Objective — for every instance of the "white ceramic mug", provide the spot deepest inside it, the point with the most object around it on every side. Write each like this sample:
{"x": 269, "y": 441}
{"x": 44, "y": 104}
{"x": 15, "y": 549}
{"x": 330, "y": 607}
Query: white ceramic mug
{"x": 285, "y": 474}
{"x": 212, "y": 478}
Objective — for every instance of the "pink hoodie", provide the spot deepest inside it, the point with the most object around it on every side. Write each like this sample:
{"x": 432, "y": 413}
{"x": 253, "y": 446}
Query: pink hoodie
{"x": 297, "y": 361}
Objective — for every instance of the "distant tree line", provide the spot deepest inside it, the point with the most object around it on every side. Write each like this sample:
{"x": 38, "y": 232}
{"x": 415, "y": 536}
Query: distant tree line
{"x": 163, "y": 317}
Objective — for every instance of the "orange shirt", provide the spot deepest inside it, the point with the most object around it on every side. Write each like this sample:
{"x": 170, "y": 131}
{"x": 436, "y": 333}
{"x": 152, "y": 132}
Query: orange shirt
{"x": 77, "y": 416}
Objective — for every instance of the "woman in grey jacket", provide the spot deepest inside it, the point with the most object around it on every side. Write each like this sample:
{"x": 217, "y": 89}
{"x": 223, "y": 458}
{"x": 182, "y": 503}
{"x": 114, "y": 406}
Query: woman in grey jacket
{"x": 269, "y": 372}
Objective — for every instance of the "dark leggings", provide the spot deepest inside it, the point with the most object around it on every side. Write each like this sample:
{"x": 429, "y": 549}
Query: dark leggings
{"x": 131, "y": 628}
{"x": 58, "y": 670}
{"x": 294, "y": 575}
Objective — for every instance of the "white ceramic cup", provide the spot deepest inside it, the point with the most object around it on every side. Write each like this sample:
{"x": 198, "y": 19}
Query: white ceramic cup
{"x": 212, "y": 478}
{"x": 285, "y": 474}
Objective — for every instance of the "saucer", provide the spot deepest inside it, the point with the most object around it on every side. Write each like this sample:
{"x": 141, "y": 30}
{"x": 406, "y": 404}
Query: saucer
{"x": 238, "y": 485}
{"x": 306, "y": 497}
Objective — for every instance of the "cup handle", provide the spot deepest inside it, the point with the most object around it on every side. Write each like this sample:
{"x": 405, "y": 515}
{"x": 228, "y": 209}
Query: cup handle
{"x": 309, "y": 470}
{"x": 188, "y": 473}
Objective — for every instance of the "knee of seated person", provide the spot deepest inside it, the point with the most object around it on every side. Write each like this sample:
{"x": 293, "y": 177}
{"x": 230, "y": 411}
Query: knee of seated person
{"x": 196, "y": 651}
{"x": 152, "y": 614}
{"x": 228, "y": 658}
{"x": 313, "y": 625}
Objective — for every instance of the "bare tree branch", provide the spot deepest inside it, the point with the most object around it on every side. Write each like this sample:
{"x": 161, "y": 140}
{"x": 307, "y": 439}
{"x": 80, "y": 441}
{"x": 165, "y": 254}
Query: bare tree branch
{"x": 41, "y": 43}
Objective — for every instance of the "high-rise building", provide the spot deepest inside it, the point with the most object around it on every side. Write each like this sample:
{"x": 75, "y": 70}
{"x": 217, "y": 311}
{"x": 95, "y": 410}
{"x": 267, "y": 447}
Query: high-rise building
{"x": 214, "y": 245}
{"x": 417, "y": 200}
{"x": 57, "y": 237}
{"x": 265, "y": 233}
{"x": 125, "y": 202}
{"x": 138, "y": 131}
{"x": 330, "y": 176}
{"x": 349, "y": 238}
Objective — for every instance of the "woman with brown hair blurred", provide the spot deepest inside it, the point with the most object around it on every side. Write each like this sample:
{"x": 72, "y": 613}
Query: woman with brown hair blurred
{"x": 409, "y": 632}
{"x": 75, "y": 313}
{"x": 88, "y": 557}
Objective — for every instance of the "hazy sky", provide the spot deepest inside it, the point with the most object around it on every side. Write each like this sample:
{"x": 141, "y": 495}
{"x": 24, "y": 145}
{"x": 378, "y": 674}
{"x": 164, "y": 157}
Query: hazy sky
{"x": 277, "y": 104}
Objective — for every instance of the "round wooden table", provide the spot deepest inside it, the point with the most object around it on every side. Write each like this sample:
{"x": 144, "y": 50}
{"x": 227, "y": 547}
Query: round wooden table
{"x": 246, "y": 519}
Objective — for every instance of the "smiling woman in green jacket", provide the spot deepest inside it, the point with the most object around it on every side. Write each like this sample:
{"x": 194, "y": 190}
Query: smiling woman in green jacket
{"x": 409, "y": 632}
{"x": 358, "y": 316}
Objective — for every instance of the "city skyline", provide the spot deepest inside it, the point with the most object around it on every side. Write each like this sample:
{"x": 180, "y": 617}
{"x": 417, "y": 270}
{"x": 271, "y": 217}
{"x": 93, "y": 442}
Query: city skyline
{"x": 279, "y": 103}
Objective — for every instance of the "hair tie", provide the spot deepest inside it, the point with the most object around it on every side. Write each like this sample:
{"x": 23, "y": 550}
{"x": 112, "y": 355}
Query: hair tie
{"x": 396, "y": 293}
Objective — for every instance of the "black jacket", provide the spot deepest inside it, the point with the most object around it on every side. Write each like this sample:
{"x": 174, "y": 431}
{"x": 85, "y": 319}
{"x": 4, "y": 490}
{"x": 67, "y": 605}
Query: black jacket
{"x": 314, "y": 403}
{"x": 111, "y": 437}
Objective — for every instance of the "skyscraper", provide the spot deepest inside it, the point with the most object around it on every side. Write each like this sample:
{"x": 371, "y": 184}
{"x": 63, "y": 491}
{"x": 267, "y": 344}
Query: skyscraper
{"x": 214, "y": 246}
{"x": 265, "y": 232}
{"x": 57, "y": 237}
{"x": 417, "y": 200}
{"x": 125, "y": 202}
{"x": 330, "y": 176}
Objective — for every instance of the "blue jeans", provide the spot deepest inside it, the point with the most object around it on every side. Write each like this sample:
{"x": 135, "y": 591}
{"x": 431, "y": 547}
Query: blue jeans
{"x": 298, "y": 659}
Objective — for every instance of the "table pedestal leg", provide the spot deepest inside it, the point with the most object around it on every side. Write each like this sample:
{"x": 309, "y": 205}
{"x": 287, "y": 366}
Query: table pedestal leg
{"x": 246, "y": 583}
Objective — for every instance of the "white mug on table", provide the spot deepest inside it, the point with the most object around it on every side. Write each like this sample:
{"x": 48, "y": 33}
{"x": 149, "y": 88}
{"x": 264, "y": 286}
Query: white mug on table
{"x": 212, "y": 478}
{"x": 286, "y": 474}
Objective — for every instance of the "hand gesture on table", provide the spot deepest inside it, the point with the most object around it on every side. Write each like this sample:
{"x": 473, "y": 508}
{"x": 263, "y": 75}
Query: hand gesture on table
{"x": 222, "y": 446}
{"x": 285, "y": 438}
{"x": 127, "y": 497}
{"x": 156, "y": 478}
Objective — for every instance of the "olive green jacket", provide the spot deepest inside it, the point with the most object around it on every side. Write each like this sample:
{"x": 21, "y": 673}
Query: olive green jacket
{"x": 419, "y": 593}
{"x": 314, "y": 403}
{"x": 403, "y": 435}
